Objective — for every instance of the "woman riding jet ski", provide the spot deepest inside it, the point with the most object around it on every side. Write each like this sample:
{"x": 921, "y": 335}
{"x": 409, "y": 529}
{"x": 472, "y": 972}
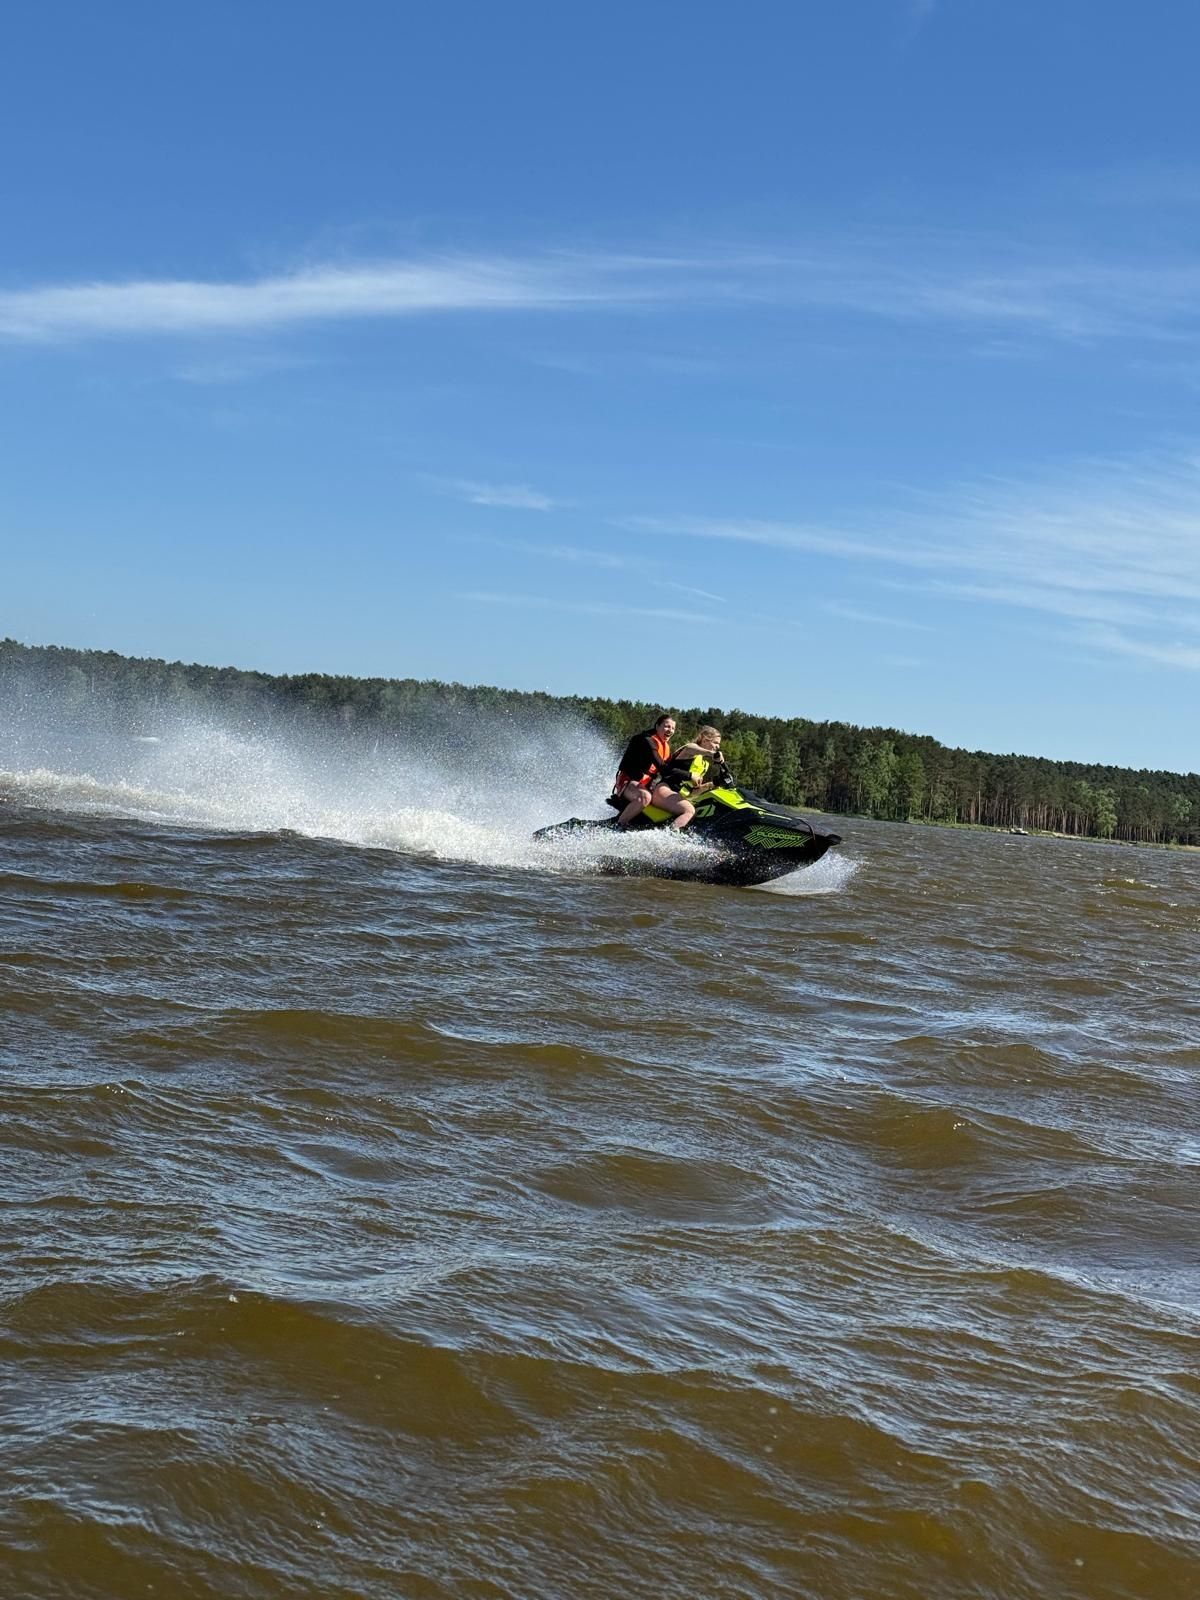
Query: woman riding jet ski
{"x": 750, "y": 840}
{"x": 690, "y": 771}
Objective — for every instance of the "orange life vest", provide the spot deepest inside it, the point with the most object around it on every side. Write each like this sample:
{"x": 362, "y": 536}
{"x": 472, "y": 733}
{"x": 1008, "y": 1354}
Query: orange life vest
{"x": 662, "y": 748}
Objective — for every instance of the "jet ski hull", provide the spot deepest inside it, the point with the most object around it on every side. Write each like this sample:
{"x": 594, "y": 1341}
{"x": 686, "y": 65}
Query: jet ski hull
{"x": 750, "y": 841}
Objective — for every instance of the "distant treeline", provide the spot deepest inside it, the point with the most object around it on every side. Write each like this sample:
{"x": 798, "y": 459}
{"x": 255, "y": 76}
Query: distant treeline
{"x": 834, "y": 766}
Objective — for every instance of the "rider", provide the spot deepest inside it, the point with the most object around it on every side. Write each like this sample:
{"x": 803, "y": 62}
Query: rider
{"x": 645, "y": 755}
{"x": 693, "y": 770}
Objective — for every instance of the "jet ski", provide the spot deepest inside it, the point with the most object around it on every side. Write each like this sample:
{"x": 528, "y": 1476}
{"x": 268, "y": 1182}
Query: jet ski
{"x": 750, "y": 840}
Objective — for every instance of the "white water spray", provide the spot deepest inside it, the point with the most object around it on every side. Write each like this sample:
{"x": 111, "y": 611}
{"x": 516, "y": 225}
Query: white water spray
{"x": 830, "y": 875}
{"x": 476, "y": 798}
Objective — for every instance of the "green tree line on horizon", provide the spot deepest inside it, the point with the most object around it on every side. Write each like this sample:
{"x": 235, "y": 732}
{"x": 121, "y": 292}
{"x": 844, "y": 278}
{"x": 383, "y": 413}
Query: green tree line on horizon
{"x": 832, "y": 766}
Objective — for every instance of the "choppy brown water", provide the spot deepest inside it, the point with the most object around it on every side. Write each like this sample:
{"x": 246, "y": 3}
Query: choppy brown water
{"x": 382, "y": 1226}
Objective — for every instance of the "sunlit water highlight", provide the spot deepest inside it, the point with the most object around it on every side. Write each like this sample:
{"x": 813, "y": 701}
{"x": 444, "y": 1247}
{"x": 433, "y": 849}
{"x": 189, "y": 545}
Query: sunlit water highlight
{"x": 395, "y": 1208}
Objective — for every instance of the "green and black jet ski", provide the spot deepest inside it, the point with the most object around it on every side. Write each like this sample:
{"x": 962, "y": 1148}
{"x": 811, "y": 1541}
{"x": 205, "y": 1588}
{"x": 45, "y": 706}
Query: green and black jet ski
{"x": 750, "y": 840}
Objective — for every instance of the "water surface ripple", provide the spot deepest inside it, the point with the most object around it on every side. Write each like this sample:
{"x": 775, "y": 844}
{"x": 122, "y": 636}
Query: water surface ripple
{"x": 382, "y": 1225}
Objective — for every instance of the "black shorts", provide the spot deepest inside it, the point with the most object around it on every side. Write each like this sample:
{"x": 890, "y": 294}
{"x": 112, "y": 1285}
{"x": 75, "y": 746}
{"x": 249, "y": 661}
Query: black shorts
{"x": 618, "y": 799}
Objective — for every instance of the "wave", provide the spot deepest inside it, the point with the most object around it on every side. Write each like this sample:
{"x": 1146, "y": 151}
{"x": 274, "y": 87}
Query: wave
{"x": 90, "y": 889}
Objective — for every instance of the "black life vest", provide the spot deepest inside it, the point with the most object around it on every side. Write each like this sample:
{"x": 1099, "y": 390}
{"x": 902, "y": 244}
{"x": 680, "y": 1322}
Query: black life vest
{"x": 691, "y": 767}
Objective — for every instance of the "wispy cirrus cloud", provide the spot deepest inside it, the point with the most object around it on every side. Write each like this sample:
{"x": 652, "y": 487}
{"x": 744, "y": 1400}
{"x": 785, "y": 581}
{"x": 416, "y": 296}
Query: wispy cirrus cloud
{"x": 687, "y": 588}
{"x": 608, "y": 560}
{"x": 510, "y": 496}
{"x": 1173, "y": 654}
{"x": 910, "y": 277}
{"x": 1059, "y": 602}
{"x": 321, "y": 294}
{"x": 575, "y": 555}
{"x": 1113, "y": 549}
{"x": 1069, "y": 298}
{"x": 835, "y": 608}
{"x": 241, "y": 366}
{"x": 1137, "y": 185}
{"x": 592, "y": 608}
{"x": 799, "y": 536}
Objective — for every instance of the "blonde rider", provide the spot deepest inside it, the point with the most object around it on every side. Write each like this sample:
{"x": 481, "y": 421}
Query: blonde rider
{"x": 691, "y": 771}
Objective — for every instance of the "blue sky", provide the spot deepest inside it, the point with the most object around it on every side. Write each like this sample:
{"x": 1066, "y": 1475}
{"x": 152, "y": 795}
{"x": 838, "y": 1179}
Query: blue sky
{"x": 830, "y": 361}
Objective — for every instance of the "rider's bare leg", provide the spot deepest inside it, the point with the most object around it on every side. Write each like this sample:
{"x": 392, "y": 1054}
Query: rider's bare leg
{"x": 682, "y": 810}
{"x": 638, "y": 799}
